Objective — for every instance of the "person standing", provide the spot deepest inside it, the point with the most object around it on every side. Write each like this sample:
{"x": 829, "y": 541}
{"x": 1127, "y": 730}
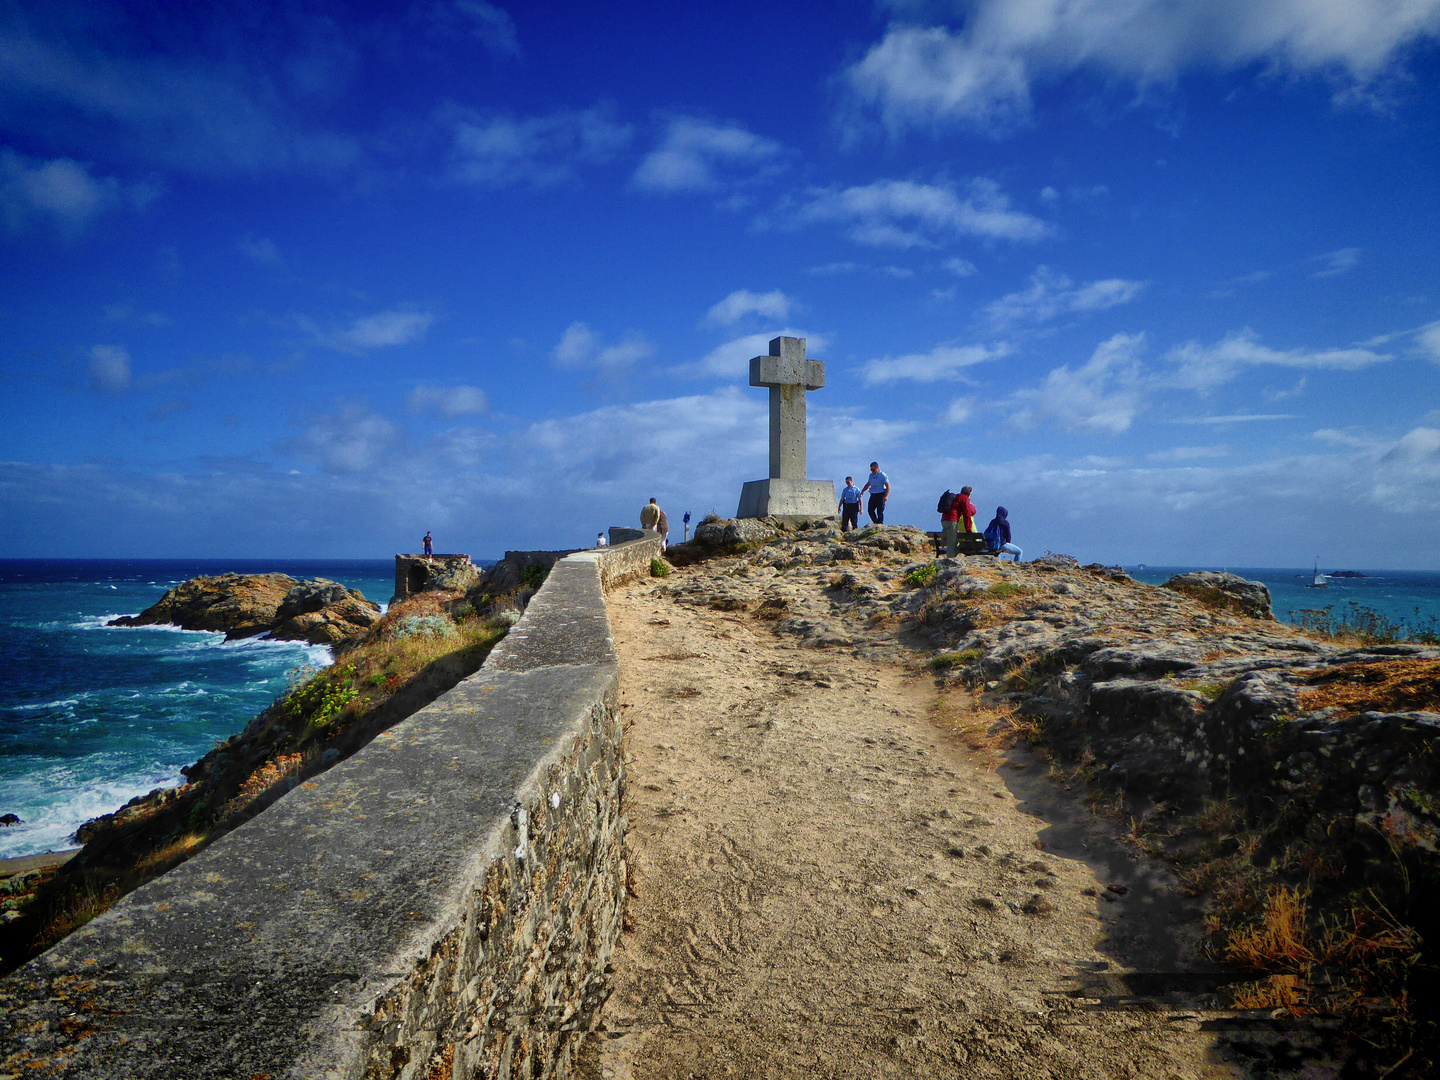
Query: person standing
{"x": 967, "y": 509}
{"x": 878, "y": 485}
{"x": 649, "y": 516}
{"x": 427, "y": 545}
{"x": 997, "y": 535}
{"x": 950, "y": 525}
{"x": 849, "y": 505}
{"x": 662, "y": 526}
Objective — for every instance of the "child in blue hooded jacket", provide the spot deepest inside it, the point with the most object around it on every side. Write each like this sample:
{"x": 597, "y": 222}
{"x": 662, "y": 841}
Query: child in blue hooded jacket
{"x": 997, "y": 535}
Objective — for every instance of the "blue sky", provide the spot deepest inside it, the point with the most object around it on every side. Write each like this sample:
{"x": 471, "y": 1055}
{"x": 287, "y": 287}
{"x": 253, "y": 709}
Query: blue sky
{"x": 301, "y": 280}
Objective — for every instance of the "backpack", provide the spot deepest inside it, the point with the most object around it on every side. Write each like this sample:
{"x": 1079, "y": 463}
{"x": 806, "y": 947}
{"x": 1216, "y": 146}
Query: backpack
{"x": 992, "y": 536}
{"x": 946, "y": 501}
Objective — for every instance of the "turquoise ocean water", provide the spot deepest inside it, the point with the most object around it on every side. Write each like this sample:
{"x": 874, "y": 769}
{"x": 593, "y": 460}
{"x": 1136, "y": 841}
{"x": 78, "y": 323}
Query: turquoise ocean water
{"x": 91, "y": 716}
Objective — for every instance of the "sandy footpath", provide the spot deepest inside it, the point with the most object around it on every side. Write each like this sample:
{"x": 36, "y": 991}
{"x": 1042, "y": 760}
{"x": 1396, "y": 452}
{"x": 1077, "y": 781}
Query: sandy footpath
{"x": 825, "y": 884}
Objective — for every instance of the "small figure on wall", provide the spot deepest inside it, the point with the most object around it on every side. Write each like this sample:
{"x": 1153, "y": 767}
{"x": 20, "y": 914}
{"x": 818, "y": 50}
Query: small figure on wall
{"x": 427, "y": 545}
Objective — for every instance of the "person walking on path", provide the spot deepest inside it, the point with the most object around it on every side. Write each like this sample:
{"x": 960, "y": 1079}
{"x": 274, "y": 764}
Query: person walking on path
{"x": 662, "y": 526}
{"x": 878, "y": 485}
{"x": 849, "y": 505}
{"x": 427, "y": 545}
{"x": 997, "y": 535}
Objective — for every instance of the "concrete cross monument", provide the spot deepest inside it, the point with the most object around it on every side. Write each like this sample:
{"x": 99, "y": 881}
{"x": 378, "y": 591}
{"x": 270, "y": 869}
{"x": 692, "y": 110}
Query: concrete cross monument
{"x": 787, "y": 492}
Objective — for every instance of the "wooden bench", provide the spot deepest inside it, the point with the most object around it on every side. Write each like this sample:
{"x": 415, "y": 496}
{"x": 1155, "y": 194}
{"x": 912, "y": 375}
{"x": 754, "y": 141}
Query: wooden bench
{"x": 966, "y": 544}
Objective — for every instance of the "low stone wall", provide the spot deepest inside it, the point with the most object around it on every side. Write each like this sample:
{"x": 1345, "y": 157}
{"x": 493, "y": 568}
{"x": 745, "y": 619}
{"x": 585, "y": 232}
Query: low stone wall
{"x": 441, "y": 904}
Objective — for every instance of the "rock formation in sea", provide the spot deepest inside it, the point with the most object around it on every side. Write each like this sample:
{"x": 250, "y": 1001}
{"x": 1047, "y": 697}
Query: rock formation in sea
{"x": 321, "y": 612}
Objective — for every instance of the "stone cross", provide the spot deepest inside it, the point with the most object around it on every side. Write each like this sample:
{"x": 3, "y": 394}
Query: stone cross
{"x": 788, "y": 375}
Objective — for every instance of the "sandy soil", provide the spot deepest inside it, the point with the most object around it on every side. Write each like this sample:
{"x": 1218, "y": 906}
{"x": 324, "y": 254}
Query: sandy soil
{"x": 824, "y": 883}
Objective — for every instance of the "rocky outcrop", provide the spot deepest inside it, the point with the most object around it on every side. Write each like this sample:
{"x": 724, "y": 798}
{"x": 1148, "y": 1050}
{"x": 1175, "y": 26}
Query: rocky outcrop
{"x": 323, "y": 612}
{"x": 320, "y": 612}
{"x": 1228, "y": 592}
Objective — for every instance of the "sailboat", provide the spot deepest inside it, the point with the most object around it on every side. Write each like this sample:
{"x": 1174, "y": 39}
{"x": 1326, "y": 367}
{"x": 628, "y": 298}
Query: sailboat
{"x": 1321, "y": 581}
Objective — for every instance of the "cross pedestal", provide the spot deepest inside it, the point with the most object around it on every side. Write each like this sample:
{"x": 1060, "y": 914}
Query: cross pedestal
{"x": 786, "y": 492}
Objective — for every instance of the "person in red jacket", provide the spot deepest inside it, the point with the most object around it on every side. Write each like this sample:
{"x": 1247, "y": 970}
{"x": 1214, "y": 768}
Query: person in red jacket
{"x": 967, "y": 509}
{"x": 961, "y": 509}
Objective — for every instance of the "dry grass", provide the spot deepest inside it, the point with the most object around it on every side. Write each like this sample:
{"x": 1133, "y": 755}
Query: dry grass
{"x": 985, "y": 730}
{"x": 1386, "y": 685}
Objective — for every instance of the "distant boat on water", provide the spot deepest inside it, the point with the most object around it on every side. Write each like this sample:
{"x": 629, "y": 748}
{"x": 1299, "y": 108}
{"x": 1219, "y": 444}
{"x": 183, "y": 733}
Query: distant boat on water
{"x": 1346, "y": 573}
{"x": 1320, "y": 581}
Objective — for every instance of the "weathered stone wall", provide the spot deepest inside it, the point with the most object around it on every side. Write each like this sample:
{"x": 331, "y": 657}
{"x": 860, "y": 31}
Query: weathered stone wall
{"x": 419, "y": 573}
{"x": 441, "y": 904}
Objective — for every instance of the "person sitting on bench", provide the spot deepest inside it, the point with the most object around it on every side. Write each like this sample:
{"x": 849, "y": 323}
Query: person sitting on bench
{"x": 997, "y": 535}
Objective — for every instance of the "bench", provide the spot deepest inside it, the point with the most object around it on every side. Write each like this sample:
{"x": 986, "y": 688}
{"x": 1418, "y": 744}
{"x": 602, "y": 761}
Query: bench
{"x": 967, "y": 543}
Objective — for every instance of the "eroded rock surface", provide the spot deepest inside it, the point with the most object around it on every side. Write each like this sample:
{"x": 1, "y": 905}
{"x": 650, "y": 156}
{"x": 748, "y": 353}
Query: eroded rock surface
{"x": 321, "y": 612}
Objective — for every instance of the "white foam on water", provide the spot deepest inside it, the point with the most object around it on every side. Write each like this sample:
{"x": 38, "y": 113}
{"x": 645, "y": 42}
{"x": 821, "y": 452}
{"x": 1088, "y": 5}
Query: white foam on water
{"x": 55, "y": 801}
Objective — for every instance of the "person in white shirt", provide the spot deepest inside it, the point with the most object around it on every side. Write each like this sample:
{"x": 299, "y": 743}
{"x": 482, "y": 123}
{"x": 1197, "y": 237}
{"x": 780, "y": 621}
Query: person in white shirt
{"x": 600, "y": 540}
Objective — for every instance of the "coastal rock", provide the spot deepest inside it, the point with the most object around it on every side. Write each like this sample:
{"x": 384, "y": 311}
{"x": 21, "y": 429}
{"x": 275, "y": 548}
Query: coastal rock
{"x": 321, "y": 612}
{"x": 1228, "y": 591}
{"x": 10, "y": 819}
{"x": 239, "y": 605}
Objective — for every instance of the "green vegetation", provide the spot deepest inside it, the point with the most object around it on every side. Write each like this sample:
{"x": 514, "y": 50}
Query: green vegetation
{"x": 1365, "y": 626}
{"x": 945, "y": 661}
{"x": 415, "y": 653}
{"x": 1003, "y": 590}
{"x": 659, "y": 568}
{"x": 921, "y": 576}
{"x": 534, "y": 575}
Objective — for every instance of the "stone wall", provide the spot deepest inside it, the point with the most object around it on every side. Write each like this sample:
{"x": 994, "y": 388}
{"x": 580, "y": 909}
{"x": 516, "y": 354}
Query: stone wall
{"x": 420, "y": 573}
{"x": 441, "y": 904}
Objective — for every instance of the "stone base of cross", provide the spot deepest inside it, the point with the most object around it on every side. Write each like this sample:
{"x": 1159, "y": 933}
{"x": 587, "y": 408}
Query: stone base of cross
{"x": 786, "y": 492}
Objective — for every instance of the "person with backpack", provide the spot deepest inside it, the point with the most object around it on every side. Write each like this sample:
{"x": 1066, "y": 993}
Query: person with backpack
{"x": 953, "y": 510}
{"x": 997, "y": 535}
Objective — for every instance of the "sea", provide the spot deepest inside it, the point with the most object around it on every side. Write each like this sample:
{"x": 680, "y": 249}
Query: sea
{"x": 92, "y": 715}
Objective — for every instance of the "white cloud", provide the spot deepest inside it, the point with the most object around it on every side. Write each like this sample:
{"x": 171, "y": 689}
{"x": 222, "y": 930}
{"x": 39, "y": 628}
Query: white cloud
{"x": 580, "y": 348}
{"x": 353, "y": 439}
{"x": 446, "y": 401}
{"x": 1429, "y": 337}
{"x": 1335, "y": 263}
{"x": 494, "y": 151}
{"x": 773, "y": 305}
{"x": 1102, "y": 397}
{"x": 901, "y": 213}
{"x": 982, "y": 74}
{"x": 1236, "y": 418}
{"x": 732, "y": 359}
{"x": 491, "y": 25}
{"x": 260, "y": 250}
{"x": 958, "y": 411}
{"x": 1203, "y": 367}
{"x": 942, "y": 363}
{"x": 1189, "y": 453}
{"x": 960, "y": 267}
{"x": 1407, "y": 476}
{"x": 109, "y": 369}
{"x": 395, "y": 327}
{"x": 204, "y": 109}
{"x": 699, "y": 155}
{"x": 1051, "y": 294}
{"x": 125, "y": 313}
{"x": 61, "y": 193}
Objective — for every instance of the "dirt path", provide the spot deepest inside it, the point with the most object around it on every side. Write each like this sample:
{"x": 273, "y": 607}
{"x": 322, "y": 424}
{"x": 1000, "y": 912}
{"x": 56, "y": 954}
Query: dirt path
{"x": 824, "y": 884}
